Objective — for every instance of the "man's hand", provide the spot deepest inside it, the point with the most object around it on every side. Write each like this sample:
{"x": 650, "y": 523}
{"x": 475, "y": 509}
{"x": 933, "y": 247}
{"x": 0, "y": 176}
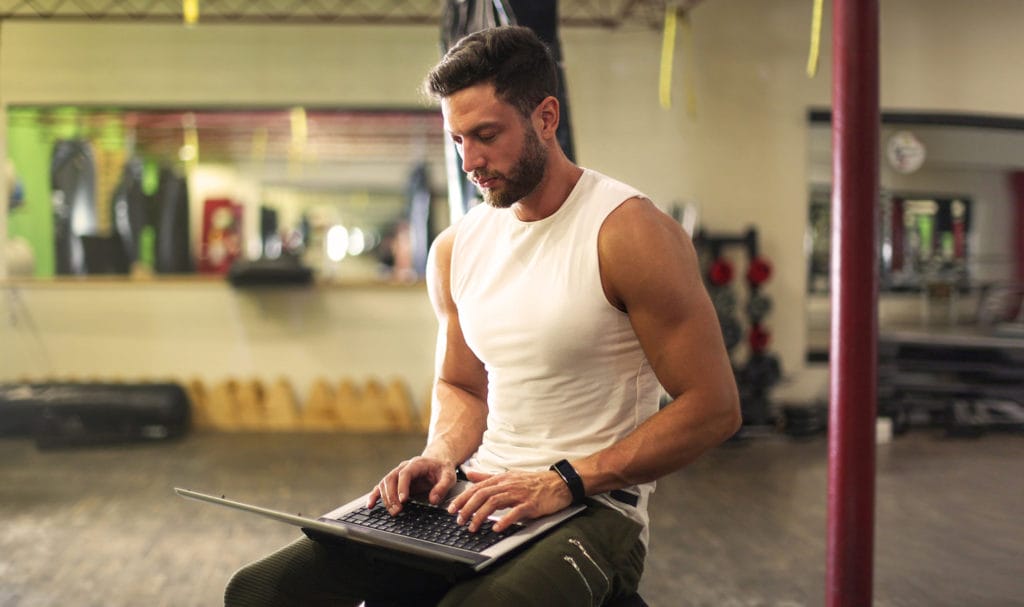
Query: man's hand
{"x": 416, "y": 475}
{"x": 528, "y": 495}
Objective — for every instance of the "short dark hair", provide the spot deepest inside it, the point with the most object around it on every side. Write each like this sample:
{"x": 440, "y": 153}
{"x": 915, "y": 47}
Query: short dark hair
{"x": 510, "y": 57}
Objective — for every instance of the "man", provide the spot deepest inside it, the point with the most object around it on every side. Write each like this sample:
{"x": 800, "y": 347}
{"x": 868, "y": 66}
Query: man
{"x": 562, "y": 303}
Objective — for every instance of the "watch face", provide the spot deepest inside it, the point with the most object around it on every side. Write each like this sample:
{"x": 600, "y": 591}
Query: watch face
{"x": 905, "y": 152}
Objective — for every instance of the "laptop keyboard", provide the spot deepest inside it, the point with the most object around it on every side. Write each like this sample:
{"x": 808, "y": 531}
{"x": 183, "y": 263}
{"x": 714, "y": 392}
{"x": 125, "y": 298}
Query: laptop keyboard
{"x": 430, "y": 524}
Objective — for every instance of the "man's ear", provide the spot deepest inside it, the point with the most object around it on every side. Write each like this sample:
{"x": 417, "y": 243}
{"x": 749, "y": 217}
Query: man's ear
{"x": 546, "y": 116}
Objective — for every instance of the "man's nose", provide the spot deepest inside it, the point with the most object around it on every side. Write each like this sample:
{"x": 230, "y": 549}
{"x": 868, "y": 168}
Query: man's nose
{"x": 472, "y": 159}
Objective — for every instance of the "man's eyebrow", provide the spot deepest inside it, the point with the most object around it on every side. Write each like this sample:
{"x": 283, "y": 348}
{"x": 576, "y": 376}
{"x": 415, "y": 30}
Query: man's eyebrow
{"x": 475, "y": 130}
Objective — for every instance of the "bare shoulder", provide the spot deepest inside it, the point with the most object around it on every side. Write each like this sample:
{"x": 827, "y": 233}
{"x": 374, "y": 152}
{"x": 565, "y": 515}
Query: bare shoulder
{"x": 439, "y": 263}
{"x": 642, "y": 248}
{"x": 442, "y": 246}
{"x": 637, "y": 219}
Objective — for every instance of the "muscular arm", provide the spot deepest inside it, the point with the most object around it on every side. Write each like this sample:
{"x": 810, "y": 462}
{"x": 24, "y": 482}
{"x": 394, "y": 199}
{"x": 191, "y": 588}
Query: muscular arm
{"x": 649, "y": 269}
{"x": 459, "y": 411}
{"x": 459, "y": 399}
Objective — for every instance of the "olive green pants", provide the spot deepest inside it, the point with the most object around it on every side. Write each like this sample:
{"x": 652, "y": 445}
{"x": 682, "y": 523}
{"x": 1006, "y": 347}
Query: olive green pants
{"x": 592, "y": 559}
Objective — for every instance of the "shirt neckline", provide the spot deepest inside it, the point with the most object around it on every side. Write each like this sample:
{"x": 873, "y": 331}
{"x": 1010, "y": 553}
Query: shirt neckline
{"x": 574, "y": 194}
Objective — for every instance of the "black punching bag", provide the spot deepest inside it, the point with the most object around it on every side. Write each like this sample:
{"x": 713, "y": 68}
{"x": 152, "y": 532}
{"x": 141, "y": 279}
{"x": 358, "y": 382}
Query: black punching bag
{"x": 542, "y": 18}
{"x": 73, "y": 191}
{"x": 173, "y": 245}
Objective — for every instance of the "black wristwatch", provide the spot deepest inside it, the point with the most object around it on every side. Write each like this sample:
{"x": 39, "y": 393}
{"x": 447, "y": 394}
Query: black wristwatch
{"x": 572, "y": 479}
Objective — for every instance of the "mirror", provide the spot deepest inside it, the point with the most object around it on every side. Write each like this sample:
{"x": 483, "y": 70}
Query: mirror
{"x": 353, "y": 194}
{"x": 946, "y": 210}
{"x": 922, "y": 239}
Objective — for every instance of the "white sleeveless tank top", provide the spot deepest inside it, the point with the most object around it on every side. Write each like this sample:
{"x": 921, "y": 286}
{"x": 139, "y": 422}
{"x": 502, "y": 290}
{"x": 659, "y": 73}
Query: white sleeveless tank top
{"x": 566, "y": 373}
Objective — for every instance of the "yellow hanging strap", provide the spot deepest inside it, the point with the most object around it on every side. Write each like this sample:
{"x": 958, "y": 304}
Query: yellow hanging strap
{"x": 812, "y": 57}
{"x": 189, "y": 152}
{"x": 668, "y": 48}
{"x": 676, "y": 19}
{"x": 190, "y": 11}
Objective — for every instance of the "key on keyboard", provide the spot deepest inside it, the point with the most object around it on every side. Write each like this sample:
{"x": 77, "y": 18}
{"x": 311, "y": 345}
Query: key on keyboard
{"x": 430, "y": 524}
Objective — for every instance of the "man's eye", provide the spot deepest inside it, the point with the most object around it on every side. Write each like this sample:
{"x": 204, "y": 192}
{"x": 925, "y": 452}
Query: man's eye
{"x": 486, "y": 137}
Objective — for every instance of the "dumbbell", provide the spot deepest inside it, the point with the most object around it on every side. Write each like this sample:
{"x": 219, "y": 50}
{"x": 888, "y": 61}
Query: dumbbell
{"x": 758, "y": 271}
{"x": 758, "y": 307}
{"x": 720, "y": 272}
{"x": 758, "y": 338}
{"x": 732, "y": 332}
{"x": 762, "y": 370}
{"x": 724, "y": 301}
{"x": 755, "y": 410}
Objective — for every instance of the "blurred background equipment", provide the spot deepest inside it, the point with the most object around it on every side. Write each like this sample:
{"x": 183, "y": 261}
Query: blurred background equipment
{"x": 73, "y": 183}
{"x": 66, "y": 414}
{"x": 173, "y": 248}
{"x": 757, "y": 369}
{"x": 131, "y": 210}
{"x": 18, "y": 252}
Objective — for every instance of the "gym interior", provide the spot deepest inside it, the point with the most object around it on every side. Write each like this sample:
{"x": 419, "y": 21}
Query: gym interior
{"x": 219, "y": 220}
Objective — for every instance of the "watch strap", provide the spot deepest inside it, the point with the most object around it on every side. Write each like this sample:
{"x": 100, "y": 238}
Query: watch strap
{"x": 572, "y": 479}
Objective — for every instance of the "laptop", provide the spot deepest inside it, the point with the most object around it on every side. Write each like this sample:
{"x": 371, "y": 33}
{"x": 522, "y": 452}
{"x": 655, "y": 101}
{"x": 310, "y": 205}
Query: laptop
{"x": 424, "y": 536}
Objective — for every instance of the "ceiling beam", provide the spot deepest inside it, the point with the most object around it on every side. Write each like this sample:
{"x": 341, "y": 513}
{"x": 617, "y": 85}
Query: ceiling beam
{"x": 573, "y": 13}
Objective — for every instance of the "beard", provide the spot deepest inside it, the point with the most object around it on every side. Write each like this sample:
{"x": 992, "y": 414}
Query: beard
{"x": 522, "y": 179}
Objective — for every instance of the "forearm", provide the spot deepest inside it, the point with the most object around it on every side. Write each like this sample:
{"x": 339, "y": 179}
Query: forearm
{"x": 667, "y": 441}
{"x": 458, "y": 420}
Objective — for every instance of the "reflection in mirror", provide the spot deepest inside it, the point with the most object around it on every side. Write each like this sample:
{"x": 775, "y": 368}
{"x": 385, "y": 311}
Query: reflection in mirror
{"x": 946, "y": 206}
{"x": 351, "y": 194}
{"x": 946, "y": 214}
{"x": 922, "y": 240}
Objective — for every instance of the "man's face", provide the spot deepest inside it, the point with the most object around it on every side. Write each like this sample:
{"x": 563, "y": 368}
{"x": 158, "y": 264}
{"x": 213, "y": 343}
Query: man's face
{"x": 500, "y": 149}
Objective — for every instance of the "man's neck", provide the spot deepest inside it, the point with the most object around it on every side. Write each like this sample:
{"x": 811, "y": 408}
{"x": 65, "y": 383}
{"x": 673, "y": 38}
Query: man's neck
{"x": 558, "y": 182}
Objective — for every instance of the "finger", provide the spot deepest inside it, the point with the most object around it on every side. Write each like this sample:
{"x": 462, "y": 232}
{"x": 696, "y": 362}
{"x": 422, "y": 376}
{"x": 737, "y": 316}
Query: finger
{"x": 403, "y": 472}
{"x": 511, "y": 517}
{"x": 389, "y": 489}
{"x": 478, "y": 480}
{"x": 484, "y": 512}
{"x": 477, "y": 477}
{"x": 373, "y": 497}
{"x": 443, "y": 485}
{"x": 406, "y": 475}
{"x": 467, "y": 513}
{"x": 461, "y": 499}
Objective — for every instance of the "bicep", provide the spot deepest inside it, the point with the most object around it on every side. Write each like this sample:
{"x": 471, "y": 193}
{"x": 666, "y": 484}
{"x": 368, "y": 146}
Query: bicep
{"x": 455, "y": 363}
{"x": 651, "y": 269}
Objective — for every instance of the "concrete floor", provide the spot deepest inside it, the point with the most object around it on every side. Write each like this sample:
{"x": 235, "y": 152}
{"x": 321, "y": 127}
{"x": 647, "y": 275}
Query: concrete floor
{"x": 742, "y": 527}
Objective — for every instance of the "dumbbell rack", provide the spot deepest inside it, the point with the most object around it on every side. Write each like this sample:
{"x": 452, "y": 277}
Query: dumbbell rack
{"x": 759, "y": 370}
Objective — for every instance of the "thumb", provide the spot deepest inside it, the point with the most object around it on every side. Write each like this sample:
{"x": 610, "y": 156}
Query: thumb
{"x": 477, "y": 477}
{"x": 441, "y": 488}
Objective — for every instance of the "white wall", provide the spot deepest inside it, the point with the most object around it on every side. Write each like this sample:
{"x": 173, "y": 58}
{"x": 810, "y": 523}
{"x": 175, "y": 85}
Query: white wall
{"x": 219, "y": 65}
{"x": 743, "y": 157}
{"x": 179, "y": 329}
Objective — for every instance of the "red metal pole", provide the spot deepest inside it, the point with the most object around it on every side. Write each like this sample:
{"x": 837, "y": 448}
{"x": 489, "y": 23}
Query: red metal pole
{"x": 1017, "y": 184}
{"x": 854, "y": 332}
